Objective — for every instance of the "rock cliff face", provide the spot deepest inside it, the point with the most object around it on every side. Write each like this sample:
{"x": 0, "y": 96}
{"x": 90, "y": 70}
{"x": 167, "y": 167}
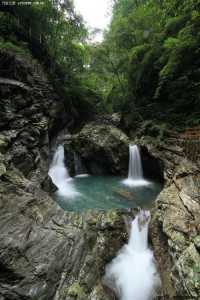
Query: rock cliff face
{"x": 46, "y": 253}
{"x": 29, "y": 110}
{"x": 103, "y": 148}
{"x": 175, "y": 226}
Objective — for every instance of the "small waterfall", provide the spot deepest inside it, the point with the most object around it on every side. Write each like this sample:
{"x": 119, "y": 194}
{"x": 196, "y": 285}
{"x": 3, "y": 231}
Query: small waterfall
{"x": 59, "y": 174}
{"x": 132, "y": 275}
{"x": 80, "y": 170}
{"x": 135, "y": 165}
{"x": 135, "y": 173}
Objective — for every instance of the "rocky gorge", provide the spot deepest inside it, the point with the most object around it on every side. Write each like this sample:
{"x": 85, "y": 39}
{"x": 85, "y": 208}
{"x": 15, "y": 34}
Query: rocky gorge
{"x": 47, "y": 253}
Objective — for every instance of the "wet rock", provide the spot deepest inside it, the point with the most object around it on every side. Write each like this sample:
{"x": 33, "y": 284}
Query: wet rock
{"x": 26, "y": 115}
{"x": 48, "y": 186}
{"x": 103, "y": 149}
{"x": 46, "y": 253}
{"x": 175, "y": 226}
{"x": 108, "y": 119}
{"x": 179, "y": 219}
{"x": 125, "y": 194}
{"x": 3, "y": 143}
{"x": 188, "y": 266}
{"x": 2, "y": 169}
{"x": 153, "y": 166}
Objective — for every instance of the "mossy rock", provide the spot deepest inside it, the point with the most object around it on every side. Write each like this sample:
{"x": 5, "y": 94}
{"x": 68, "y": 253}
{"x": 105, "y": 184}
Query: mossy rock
{"x": 2, "y": 169}
{"x": 77, "y": 291}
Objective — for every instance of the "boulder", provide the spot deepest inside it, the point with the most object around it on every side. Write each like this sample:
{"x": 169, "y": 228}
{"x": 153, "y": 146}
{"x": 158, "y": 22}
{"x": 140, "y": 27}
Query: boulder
{"x": 102, "y": 148}
{"x": 48, "y": 185}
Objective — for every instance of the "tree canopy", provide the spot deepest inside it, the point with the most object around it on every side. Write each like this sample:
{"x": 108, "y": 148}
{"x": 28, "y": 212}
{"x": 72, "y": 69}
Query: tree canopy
{"x": 150, "y": 57}
{"x": 147, "y": 67}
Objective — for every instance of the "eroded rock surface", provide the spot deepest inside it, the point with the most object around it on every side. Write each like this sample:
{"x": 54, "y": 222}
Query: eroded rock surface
{"x": 103, "y": 148}
{"x": 46, "y": 253}
{"x": 27, "y": 115}
{"x": 176, "y": 223}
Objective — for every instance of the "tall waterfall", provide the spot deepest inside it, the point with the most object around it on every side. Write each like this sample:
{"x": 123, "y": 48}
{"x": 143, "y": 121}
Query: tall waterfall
{"x": 132, "y": 275}
{"x": 59, "y": 174}
{"x": 135, "y": 165}
{"x": 135, "y": 173}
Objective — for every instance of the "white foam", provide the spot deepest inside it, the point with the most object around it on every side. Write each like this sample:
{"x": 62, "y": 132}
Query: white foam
{"x": 60, "y": 176}
{"x": 136, "y": 182}
{"x": 132, "y": 275}
{"x": 82, "y": 175}
{"x": 135, "y": 172}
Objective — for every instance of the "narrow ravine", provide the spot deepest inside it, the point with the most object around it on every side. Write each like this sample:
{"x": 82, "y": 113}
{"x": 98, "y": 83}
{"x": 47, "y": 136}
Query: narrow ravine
{"x": 99, "y": 150}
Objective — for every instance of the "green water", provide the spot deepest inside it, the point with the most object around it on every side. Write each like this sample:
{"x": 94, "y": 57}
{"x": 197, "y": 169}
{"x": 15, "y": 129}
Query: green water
{"x": 107, "y": 192}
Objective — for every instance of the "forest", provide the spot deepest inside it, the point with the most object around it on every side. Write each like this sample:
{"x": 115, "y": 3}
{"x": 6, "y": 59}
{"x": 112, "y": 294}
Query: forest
{"x": 146, "y": 68}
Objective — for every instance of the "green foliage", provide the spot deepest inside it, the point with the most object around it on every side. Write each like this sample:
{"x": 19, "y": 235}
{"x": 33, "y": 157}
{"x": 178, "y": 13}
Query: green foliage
{"x": 148, "y": 66}
{"x": 160, "y": 42}
{"x": 137, "y": 53}
{"x": 170, "y": 43}
{"x": 174, "y": 24}
{"x": 10, "y": 46}
{"x": 56, "y": 36}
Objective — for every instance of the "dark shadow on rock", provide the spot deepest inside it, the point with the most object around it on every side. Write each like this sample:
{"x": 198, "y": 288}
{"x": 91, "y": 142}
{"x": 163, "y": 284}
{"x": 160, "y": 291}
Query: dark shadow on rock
{"x": 153, "y": 167}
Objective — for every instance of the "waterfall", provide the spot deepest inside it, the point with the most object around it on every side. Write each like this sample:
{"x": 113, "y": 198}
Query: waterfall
{"x": 135, "y": 173}
{"x": 59, "y": 174}
{"x": 132, "y": 275}
{"x": 135, "y": 165}
{"x": 80, "y": 170}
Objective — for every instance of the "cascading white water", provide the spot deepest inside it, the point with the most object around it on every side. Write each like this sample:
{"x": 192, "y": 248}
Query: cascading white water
{"x": 59, "y": 174}
{"x": 135, "y": 165}
{"x": 135, "y": 172}
{"x": 132, "y": 275}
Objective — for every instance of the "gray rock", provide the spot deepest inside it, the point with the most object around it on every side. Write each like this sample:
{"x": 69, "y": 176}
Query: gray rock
{"x": 102, "y": 148}
{"x": 27, "y": 115}
{"x": 177, "y": 213}
{"x": 48, "y": 186}
{"x": 46, "y": 253}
